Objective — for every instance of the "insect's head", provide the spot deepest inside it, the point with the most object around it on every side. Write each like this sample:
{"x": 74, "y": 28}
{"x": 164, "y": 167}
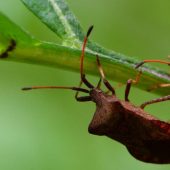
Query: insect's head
{"x": 96, "y": 94}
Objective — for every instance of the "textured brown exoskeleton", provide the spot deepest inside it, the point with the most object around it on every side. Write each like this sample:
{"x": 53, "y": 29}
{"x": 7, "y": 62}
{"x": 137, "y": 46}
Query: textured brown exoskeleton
{"x": 146, "y": 137}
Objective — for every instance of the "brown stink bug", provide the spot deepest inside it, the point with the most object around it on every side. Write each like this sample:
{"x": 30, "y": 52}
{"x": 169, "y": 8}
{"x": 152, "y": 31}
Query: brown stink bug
{"x": 146, "y": 137}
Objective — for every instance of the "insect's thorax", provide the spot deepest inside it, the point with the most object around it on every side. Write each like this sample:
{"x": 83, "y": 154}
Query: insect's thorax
{"x": 108, "y": 112}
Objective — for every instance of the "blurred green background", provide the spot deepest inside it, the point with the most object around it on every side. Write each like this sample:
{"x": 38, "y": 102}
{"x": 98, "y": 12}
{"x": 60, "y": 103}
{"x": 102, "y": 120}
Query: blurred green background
{"x": 47, "y": 129}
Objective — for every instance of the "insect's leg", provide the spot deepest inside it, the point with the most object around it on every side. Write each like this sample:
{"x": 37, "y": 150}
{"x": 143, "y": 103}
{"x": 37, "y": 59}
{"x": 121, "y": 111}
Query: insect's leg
{"x": 155, "y": 101}
{"x": 158, "y": 61}
{"x": 159, "y": 86}
{"x": 84, "y": 98}
{"x": 86, "y": 82}
{"x": 81, "y": 82}
{"x": 116, "y": 87}
{"x": 147, "y": 61}
{"x": 10, "y": 48}
{"x": 107, "y": 84}
{"x": 155, "y": 87}
{"x": 128, "y": 85}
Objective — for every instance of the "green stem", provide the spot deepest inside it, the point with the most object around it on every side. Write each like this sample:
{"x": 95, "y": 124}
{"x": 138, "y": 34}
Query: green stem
{"x": 29, "y": 50}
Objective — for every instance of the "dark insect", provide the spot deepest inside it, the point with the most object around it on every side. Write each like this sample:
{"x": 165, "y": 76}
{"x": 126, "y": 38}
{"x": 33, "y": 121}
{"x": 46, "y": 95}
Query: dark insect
{"x": 146, "y": 137}
{"x": 9, "y": 49}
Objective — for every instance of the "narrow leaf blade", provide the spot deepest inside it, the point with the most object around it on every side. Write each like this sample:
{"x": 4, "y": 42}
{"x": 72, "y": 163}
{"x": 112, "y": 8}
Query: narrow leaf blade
{"x": 59, "y": 18}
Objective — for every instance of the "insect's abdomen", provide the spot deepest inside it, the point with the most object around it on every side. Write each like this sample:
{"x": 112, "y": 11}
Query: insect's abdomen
{"x": 153, "y": 154}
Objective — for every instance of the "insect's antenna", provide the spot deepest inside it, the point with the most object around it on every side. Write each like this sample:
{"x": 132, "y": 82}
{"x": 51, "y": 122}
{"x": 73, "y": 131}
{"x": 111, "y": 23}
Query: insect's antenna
{"x": 82, "y": 57}
{"x": 147, "y": 61}
{"x": 56, "y": 87}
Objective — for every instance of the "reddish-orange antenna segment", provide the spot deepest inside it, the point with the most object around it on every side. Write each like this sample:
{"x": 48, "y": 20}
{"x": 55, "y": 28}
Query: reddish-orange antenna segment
{"x": 147, "y": 61}
{"x": 84, "y": 45}
{"x": 56, "y": 87}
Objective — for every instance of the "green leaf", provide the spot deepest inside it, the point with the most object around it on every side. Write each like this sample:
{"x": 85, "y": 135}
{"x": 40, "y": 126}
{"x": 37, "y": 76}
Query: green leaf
{"x": 59, "y": 18}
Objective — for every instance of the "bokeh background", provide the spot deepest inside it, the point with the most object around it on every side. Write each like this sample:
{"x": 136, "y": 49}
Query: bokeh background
{"x": 47, "y": 129}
